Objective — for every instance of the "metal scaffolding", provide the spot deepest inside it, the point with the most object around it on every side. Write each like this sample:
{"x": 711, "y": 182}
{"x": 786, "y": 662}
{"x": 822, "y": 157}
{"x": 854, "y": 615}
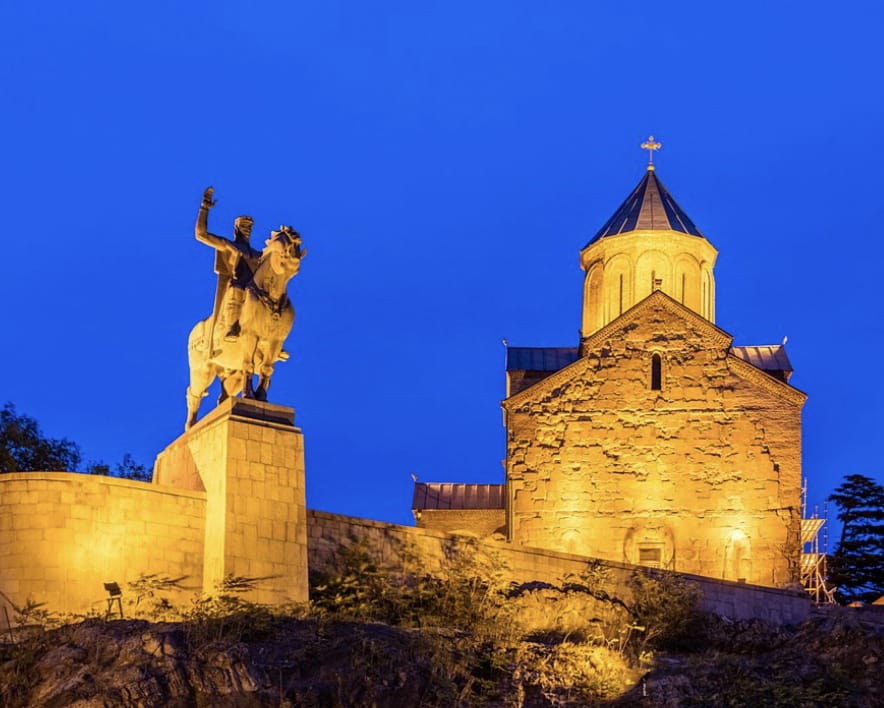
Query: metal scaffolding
{"x": 813, "y": 560}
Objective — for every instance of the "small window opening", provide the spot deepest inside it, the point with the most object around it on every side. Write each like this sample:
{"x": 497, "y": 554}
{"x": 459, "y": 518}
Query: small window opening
{"x": 650, "y": 556}
{"x": 682, "y": 287}
{"x": 656, "y": 373}
{"x": 621, "y": 295}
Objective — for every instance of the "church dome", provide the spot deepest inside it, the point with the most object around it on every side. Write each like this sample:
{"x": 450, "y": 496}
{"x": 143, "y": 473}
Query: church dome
{"x": 650, "y": 207}
{"x": 649, "y": 244}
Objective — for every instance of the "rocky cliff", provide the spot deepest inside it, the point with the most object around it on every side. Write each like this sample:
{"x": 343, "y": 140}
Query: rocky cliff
{"x": 279, "y": 661}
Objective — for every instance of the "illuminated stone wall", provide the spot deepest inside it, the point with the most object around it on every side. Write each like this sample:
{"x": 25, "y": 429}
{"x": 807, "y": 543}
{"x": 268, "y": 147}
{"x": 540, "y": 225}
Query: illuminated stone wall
{"x": 621, "y": 271}
{"x": 702, "y": 476}
{"x": 391, "y": 543}
{"x": 249, "y": 458}
{"x": 227, "y": 499}
{"x": 481, "y": 522}
{"x": 63, "y": 535}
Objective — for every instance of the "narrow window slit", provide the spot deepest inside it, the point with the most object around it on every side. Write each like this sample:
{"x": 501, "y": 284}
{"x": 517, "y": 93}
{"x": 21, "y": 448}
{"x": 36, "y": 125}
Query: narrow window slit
{"x": 656, "y": 373}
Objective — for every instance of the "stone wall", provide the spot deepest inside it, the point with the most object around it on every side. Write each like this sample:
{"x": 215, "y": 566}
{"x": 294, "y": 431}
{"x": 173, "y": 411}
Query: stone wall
{"x": 702, "y": 476}
{"x": 227, "y": 499}
{"x": 328, "y": 532}
{"x": 63, "y": 535}
{"x": 481, "y": 522}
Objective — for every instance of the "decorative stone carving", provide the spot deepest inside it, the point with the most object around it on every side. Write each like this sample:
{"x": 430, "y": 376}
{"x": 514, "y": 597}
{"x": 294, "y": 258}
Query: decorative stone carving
{"x": 252, "y": 314}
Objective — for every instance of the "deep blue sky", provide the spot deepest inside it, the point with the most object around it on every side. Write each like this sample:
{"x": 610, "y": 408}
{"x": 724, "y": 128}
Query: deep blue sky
{"x": 445, "y": 163}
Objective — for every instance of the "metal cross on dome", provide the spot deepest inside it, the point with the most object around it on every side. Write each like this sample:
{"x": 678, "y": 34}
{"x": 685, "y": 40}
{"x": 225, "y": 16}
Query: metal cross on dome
{"x": 650, "y": 146}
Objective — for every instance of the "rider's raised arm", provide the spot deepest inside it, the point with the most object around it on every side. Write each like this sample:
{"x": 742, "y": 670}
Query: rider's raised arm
{"x": 201, "y": 229}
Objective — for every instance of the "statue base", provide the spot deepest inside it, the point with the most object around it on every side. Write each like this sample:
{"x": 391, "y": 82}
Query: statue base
{"x": 248, "y": 458}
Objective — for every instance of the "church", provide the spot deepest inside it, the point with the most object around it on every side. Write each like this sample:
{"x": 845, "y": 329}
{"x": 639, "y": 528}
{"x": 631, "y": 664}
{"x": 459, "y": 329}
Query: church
{"x": 654, "y": 440}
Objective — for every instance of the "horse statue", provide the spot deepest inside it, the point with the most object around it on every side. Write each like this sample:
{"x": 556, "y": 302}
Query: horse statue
{"x": 265, "y": 321}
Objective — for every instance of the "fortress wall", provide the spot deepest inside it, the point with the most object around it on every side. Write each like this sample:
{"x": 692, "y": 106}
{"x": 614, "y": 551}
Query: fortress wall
{"x": 62, "y": 535}
{"x": 328, "y": 532}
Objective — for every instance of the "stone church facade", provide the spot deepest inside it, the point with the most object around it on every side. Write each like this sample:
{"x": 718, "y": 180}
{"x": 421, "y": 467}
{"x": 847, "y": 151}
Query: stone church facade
{"x": 655, "y": 440}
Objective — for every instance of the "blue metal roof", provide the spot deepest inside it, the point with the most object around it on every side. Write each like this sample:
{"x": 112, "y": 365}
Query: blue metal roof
{"x": 649, "y": 208}
{"x": 540, "y": 358}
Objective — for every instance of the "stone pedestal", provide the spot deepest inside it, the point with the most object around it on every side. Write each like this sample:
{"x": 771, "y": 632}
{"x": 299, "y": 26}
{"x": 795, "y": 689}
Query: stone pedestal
{"x": 248, "y": 457}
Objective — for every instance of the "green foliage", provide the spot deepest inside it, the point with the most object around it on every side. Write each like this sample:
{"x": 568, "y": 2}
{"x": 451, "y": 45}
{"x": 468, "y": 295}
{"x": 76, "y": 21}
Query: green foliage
{"x": 461, "y": 613}
{"x": 746, "y": 663}
{"x": 857, "y": 566}
{"x": 227, "y": 616}
{"x": 468, "y": 594}
{"x": 148, "y": 597}
{"x": 36, "y": 614}
{"x": 470, "y": 639}
{"x": 128, "y": 468}
{"x": 571, "y": 673}
{"x": 17, "y": 675}
{"x": 24, "y": 448}
{"x": 664, "y": 608}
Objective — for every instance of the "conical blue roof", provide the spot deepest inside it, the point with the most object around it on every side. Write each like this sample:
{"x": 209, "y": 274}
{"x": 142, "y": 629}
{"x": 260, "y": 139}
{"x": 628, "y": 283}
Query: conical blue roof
{"x": 649, "y": 208}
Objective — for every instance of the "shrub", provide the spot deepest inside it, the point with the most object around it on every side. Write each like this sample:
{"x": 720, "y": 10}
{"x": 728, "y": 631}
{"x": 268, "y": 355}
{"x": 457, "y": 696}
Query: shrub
{"x": 469, "y": 593}
{"x": 227, "y": 616}
{"x": 664, "y": 609}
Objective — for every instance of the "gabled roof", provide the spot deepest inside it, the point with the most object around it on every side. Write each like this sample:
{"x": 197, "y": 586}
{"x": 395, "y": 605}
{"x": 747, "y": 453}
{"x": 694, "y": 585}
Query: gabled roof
{"x": 650, "y": 207}
{"x": 446, "y": 495}
{"x": 716, "y": 337}
{"x": 540, "y": 358}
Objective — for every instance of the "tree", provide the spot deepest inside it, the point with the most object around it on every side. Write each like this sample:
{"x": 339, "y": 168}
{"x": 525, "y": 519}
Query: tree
{"x": 127, "y": 469}
{"x": 857, "y": 566}
{"x": 23, "y": 448}
{"x": 130, "y": 469}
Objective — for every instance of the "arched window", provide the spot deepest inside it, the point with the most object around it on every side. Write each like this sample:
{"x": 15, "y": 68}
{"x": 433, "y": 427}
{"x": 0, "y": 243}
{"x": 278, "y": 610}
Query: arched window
{"x": 656, "y": 373}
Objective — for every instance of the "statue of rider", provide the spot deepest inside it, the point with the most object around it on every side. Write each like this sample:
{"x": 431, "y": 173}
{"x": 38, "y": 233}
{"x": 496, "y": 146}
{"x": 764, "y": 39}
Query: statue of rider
{"x": 235, "y": 264}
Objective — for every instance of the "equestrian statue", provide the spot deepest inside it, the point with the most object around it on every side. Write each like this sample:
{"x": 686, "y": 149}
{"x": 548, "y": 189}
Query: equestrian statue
{"x": 252, "y": 315}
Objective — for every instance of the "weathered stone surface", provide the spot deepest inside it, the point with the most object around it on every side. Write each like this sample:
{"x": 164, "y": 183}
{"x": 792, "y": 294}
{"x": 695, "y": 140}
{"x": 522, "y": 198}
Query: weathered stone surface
{"x": 481, "y": 522}
{"x": 703, "y": 474}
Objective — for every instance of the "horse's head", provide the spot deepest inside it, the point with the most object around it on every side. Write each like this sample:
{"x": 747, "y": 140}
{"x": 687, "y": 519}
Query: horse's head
{"x": 284, "y": 249}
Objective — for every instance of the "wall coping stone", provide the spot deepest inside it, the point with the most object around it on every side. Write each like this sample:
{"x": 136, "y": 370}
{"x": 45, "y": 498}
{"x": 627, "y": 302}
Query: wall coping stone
{"x": 95, "y": 479}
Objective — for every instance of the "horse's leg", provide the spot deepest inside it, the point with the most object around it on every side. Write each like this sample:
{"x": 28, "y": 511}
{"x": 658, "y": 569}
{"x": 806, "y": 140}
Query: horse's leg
{"x": 200, "y": 378}
{"x": 249, "y": 343}
{"x": 223, "y": 396}
{"x": 270, "y": 352}
{"x": 263, "y": 385}
{"x": 201, "y": 372}
{"x": 230, "y": 384}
